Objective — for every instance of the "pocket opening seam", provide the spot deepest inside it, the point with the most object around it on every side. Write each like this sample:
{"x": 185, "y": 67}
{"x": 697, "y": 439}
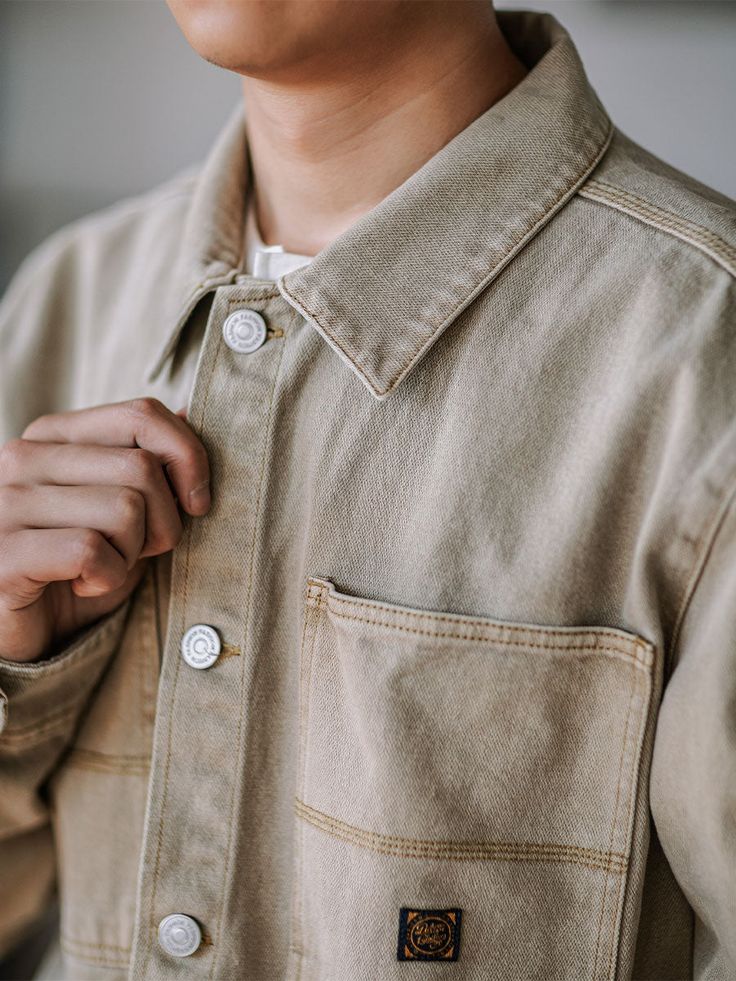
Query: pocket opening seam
{"x": 325, "y": 597}
{"x": 595, "y": 859}
{"x": 638, "y": 659}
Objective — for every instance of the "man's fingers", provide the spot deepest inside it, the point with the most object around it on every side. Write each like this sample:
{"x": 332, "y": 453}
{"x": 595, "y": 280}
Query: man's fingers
{"x": 146, "y": 423}
{"x": 31, "y": 559}
{"x": 119, "y": 513}
{"x": 30, "y": 463}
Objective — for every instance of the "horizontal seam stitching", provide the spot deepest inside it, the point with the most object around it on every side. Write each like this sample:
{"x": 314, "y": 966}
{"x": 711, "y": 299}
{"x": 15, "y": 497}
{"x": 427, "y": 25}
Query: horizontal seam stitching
{"x": 91, "y": 959}
{"x": 127, "y": 770}
{"x": 701, "y": 238}
{"x": 438, "y": 617}
{"x": 592, "y": 648}
{"x": 93, "y": 946}
{"x": 463, "y": 851}
{"x": 30, "y": 733}
{"x": 669, "y": 218}
{"x": 463, "y": 846}
{"x": 93, "y": 754}
{"x": 79, "y": 654}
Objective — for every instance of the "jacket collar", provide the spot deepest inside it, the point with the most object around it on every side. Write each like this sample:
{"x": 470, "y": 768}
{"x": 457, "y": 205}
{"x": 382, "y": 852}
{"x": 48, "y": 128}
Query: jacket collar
{"x": 384, "y": 290}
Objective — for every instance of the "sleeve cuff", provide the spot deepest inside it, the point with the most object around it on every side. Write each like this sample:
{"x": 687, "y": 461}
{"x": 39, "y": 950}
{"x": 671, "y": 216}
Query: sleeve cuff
{"x": 34, "y": 693}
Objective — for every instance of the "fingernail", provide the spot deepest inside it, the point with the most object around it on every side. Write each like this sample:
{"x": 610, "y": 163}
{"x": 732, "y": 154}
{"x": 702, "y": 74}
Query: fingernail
{"x": 199, "y": 497}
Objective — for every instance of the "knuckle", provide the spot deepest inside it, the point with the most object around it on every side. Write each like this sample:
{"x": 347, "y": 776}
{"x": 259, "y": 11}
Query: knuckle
{"x": 143, "y": 466}
{"x": 115, "y": 575}
{"x": 8, "y": 497}
{"x": 5, "y": 561}
{"x": 146, "y": 407}
{"x": 13, "y": 506}
{"x": 90, "y": 546}
{"x": 38, "y": 423}
{"x": 12, "y": 457}
{"x": 194, "y": 456}
{"x": 168, "y": 538}
{"x": 129, "y": 506}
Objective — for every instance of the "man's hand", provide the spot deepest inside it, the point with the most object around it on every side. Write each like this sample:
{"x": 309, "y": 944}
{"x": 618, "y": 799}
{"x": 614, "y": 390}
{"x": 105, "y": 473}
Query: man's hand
{"x": 85, "y": 498}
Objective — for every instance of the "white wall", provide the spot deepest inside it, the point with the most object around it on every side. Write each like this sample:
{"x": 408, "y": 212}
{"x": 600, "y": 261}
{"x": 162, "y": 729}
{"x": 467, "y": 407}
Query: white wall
{"x": 103, "y": 98}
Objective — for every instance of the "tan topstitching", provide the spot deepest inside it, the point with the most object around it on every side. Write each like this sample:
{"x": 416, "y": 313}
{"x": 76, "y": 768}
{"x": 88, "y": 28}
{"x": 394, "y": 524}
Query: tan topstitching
{"x": 93, "y": 946}
{"x": 709, "y": 538}
{"x": 613, "y": 828}
{"x": 249, "y": 587}
{"x": 701, "y": 238}
{"x": 305, "y": 701}
{"x": 169, "y": 733}
{"x": 25, "y": 733}
{"x": 89, "y": 959}
{"x": 332, "y": 598}
{"x": 590, "y": 648}
{"x": 463, "y": 851}
{"x": 508, "y": 255}
{"x": 630, "y": 806}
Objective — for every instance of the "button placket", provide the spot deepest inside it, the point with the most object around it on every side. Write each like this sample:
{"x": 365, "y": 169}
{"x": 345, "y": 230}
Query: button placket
{"x": 197, "y": 761}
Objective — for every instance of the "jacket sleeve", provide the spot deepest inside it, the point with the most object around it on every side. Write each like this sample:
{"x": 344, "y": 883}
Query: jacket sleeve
{"x": 40, "y": 707}
{"x": 38, "y": 347}
{"x": 40, "y": 703}
{"x": 693, "y": 782}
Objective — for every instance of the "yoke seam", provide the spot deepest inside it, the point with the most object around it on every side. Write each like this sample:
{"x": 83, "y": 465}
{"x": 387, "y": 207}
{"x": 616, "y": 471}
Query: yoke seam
{"x": 707, "y": 242}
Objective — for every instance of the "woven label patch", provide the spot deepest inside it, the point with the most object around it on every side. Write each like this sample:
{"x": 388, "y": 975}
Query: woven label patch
{"x": 429, "y": 934}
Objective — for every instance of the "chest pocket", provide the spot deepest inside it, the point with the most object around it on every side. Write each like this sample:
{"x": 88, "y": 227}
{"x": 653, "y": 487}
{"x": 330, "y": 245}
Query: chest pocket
{"x": 452, "y": 763}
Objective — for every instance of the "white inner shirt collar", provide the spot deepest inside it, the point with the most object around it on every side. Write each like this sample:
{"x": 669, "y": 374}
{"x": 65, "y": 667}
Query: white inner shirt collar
{"x": 267, "y": 261}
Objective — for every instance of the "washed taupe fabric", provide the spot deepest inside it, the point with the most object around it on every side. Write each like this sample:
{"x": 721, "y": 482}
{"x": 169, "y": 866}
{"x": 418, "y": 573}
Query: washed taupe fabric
{"x": 472, "y": 553}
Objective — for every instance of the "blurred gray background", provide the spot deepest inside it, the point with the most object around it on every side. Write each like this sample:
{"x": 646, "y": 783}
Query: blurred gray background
{"x": 103, "y": 98}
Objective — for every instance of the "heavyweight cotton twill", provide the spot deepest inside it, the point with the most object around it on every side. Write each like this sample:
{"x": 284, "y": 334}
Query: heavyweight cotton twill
{"x": 471, "y": 559}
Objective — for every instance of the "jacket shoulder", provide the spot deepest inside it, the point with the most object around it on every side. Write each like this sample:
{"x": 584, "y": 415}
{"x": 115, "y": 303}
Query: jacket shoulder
{"x": 158, "y": 212}
{"x": 87, "y": 295}
{"x": 637, "y": 183}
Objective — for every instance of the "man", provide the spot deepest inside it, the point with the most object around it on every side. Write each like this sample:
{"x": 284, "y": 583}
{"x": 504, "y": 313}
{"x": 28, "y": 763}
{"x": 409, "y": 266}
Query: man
{"x": 440, "y": 668}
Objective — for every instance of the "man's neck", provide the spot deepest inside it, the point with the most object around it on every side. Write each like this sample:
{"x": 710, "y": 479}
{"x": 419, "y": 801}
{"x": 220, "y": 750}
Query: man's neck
{"x": 327, "y": 151}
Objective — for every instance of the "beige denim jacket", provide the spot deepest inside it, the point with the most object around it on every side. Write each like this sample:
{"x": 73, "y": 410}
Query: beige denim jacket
{"x": 471, "y": 558}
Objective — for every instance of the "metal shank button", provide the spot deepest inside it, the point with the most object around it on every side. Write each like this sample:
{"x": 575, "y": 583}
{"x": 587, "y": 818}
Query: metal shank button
{"x": 200, "y": 646}
{"x": 179, "y": 935}
{"x": 244, "y": 331}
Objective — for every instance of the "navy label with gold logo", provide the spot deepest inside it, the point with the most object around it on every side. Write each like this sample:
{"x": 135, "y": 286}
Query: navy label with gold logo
{"x": 429, "y": 934}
